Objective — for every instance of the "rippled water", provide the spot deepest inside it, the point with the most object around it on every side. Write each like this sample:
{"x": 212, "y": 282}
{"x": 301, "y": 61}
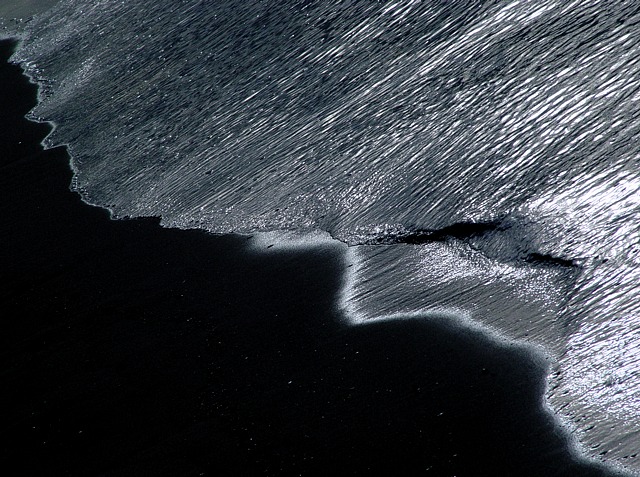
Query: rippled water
{"x": 480, "y": 158}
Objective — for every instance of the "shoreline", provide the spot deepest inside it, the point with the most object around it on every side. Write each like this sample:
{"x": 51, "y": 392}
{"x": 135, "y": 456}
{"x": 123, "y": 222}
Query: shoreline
{"x": 139, "y": 348}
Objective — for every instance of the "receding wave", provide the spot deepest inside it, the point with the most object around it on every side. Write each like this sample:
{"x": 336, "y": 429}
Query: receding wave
{"x": 476, "y": 156}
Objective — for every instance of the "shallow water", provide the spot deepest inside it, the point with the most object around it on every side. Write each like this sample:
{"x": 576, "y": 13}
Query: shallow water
{"x": 23, "y": 9}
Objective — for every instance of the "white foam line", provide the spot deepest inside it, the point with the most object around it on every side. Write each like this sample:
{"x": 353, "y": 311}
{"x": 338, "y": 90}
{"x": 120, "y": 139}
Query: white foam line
{"x": 273, "y": 241}
{"x": 463, "y": 319}
{"x": 29, "y": 70}
{"x": 352, "y": 263}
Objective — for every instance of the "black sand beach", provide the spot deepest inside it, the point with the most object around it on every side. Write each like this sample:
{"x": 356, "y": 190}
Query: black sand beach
{"x": 129, "y": 349}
